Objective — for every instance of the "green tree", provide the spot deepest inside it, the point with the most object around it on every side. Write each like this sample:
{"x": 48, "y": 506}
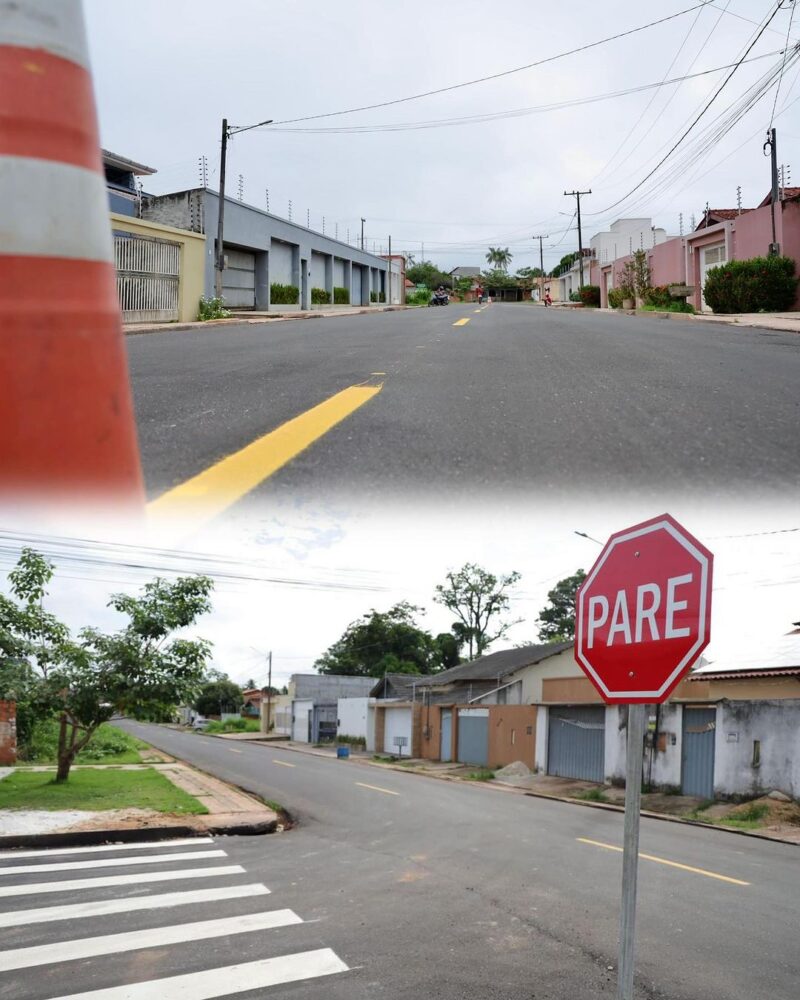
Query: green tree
{"x": 384, "y": 642}
{"x": 85, "y": 681}
{"x": 556, "y": 620}
{"x": 478, "y": 599}
{"x": 218, "y": 696}
{"x": 498, "y": 279}
{"x": 250, "y": 685}
{"x": 428, "y": 274}
{"x": 500, "y": 257}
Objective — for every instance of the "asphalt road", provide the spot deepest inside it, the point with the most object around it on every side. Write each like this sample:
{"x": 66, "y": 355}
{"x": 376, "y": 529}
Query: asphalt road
{"x": 459, "y": 892}
{"x": 519, "y": 399}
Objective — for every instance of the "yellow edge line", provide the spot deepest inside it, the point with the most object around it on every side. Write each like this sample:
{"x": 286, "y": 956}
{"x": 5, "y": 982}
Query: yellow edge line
{"x": 283, "y": 763}
{"x": 461, "y": 322}
{"x": 215, "y": 489}
{"x": 664, "y": 861}
{"x": 375, "y": 788}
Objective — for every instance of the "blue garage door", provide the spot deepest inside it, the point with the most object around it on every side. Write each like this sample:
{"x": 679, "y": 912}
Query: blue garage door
{"x": 697, "y": 756}
{"x": 576, "y": 742}
{"x": 473, "y": 736}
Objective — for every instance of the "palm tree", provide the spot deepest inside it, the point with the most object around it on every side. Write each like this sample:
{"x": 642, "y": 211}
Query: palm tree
{"x": 499, "y": 257}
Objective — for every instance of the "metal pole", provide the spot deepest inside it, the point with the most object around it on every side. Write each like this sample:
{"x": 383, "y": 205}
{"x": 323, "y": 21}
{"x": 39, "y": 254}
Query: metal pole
{"x": 577, "y": 195}
{"x": 774, "y": 158}
{"x": 221, "y": 213}
{"x": 269, "y": 693}
{"x": 362, "y": 233}
{"x": 630, "y": 857}
{"x": 389, "y": 289}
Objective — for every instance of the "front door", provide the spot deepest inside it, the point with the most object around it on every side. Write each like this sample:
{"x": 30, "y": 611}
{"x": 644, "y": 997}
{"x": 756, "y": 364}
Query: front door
{"x": 697, "y": 755}
{"x": 710, "y": 257}
{"x": 446, "y": 741}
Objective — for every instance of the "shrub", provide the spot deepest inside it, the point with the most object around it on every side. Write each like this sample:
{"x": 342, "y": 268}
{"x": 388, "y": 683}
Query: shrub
{"x": 284, "y": 295}
{"x": 352, "y": 741}
{"x": 659, "y": 296}
{"x": 212, "y": 309}
{"x": 41, "y": 746}
{"x": 341, "y": 297}
{"x": 762, "y": 284}
{"x": 590, "y": 295}
{"x": 234, "y": 726}
{"x": 419, "y": 297}
{"x": 373, "y": 296}
{"x": 319, "y": 297}
{"x": 575, "y": 296}
{"x": 615, "y": 297}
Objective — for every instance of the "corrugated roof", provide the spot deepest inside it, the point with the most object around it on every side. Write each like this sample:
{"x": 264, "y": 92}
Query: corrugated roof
{"x": 740, "y": 675}
{"x": 781, "y": 654}
{"x": 123, "y": 163}
{"x": 495, "y": 665}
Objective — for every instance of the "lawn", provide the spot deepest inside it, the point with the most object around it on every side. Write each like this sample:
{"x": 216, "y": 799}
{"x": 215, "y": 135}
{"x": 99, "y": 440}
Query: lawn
{"x": 109, "y": 745}
{"x": 96, "y": 790}
{"x": 234, "y": 726}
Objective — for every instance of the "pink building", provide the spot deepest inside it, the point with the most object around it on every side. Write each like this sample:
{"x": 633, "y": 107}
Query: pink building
{"x": 723, "y": 235}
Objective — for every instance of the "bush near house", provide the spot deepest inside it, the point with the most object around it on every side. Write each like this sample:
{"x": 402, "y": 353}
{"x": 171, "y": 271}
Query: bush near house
{"x": 212, "y": 309}
{"x": 420, "y": 297}
{"x": 590, "y": 295}
{"x": 377, "y": 297}
{"x": 762, "y": 284}
{"x": 360, "y": 742}
{"x": 659, "y": 299}
{"x": 615, "y": 297}
{"x": 319, "y": 297}
{"x": 341, "y": 297}
{"x": 284, "y": 295}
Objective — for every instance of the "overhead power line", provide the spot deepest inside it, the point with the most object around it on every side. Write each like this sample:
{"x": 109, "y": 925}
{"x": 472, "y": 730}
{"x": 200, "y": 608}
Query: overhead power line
{"x": 501, "y": 74}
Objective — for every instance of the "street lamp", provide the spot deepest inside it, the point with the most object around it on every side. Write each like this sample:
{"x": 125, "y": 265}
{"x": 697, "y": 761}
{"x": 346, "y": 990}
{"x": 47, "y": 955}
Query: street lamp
{"x": 362, "y": 233}
{"x": 582, "y": 534}
{"x": 228, "y": 131}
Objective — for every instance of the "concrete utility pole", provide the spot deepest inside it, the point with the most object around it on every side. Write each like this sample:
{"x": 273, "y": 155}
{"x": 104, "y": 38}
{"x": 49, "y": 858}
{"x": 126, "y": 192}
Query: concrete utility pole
{"x": 577, "y": 195}
{"x": 541, "y": 264}
{"x": 362, "y": 233}
{"x": 389, "y": 287}
{"x": 269, "y": 693}
{"x": 219, "y": 258}
{"x": 772, "y": 143}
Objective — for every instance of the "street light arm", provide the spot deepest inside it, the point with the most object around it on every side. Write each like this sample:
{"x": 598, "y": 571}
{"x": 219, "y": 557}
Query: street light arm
{"x": 236, "y": 129}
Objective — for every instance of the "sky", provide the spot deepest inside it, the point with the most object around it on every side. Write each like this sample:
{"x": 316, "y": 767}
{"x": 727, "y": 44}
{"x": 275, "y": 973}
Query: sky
{"x": 310, "y": 571}
{"x": 167, "y": 74}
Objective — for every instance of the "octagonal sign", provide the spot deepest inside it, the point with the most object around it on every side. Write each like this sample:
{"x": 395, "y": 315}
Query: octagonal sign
{"x": 644, "y": 612}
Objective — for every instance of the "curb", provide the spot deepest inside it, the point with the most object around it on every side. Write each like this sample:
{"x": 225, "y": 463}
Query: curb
{"x": 132, "y": 331}
{"x": 81, "y": 838}
{"x": 694, "y": 318}
{"x": 501, "y": 786}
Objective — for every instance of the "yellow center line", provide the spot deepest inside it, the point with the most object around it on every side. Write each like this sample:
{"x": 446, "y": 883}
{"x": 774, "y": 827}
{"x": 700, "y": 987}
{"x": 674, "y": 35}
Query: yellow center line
{"x": 212, "y": 491}
{"x": 231, "y": 750}
{"x": 461, "y": 322}
{"x": 664, "y": 861}
{"x": 283, "y": 763}
{"x": 477, "y": 310}
{"x": 376, "y": 788}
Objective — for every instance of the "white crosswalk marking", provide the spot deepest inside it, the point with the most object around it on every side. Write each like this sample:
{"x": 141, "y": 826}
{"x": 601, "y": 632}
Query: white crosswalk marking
{"x": 102, "y": 848}
{"x": 105, "y": 907}
{"x": 152, "y": 859}
{"x": 154, "y": 937}
{"x": 70, "y": 885}
{"x": 227, "y": 981}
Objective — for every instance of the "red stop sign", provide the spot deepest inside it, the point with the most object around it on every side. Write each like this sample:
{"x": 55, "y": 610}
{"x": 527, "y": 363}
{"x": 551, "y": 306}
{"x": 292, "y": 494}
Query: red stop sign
{"x": 644, "y": 612}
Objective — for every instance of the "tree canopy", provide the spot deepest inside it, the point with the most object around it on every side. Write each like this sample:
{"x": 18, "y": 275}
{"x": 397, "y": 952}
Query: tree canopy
{"x": 500, "y": 257}
{"x": 388, "y": 642}
{"x": 478, "y": 598}
{"x": 556, "y": 620}
{"x": 428, "y": 274}
{"x": 218, "y": 696}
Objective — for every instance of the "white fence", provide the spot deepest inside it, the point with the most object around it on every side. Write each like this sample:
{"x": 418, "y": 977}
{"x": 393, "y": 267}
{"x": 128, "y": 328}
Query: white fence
{"x": 148, "y": 278}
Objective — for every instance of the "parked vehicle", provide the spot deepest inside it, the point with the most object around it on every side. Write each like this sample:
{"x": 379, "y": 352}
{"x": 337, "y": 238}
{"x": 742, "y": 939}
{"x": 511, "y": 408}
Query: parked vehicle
{"x": 199, "y": 722}
{"x": 439, "y": 297}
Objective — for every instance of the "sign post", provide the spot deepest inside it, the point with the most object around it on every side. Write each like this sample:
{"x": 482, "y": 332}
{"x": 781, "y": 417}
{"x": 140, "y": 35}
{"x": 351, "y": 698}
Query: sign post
{"x": 643, "y": 617}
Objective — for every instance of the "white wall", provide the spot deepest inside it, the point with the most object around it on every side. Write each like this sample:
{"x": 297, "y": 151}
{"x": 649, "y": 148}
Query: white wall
{"x": 777, "y": 725}
{"x": 338, "y": 272}
{"x": 562, "y": 665}
{"x": 666, "y": 769}
{"x": 300, "y": 713}
{"x": 542, "y": 720}
{"x": 317, "y": 270}
{"x": 351, "y": 715}
{"x": 397, "y": 722}
{"x": 280, "y": 263}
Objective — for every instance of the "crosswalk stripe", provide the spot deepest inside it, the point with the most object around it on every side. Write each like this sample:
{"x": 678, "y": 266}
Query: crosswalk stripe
{"x": 226, "y": 981}
{"x": 152, "y": 859}
{"x": 137, "y": 878}
{"x": 101, "y": 848}
{"x": 103, "y": 907}
{"x": 56, "y": 952}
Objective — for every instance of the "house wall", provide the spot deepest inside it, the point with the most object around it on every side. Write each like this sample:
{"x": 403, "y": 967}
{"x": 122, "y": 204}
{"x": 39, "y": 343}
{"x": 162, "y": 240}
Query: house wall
{"x": 280, "y": 263}
{"x": 776, "y": 724}
{"x": 193, "y": 249}
{"x": 532, "y": 677}
{"x": 569, "y": 691}
{"x": 431, "y": 732}
{"x": 790, "y": 237}
{"x": 512, "y": 735}
{"x": 662, "y": 756}
{"x": 668, "y": 262}
{"x": 8, "y": 733}
{"x": 351, "y": 715}
{"x": 280, "y": 706}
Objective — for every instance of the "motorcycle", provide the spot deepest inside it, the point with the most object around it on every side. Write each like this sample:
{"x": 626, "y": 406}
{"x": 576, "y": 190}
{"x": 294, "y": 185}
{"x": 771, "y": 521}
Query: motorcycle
{"x": 439, "y": 299}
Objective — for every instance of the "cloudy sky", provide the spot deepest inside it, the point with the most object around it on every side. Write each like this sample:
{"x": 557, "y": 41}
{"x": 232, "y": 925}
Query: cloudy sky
{"x": 290, "y": 578}
{"x": 167, "y": 72}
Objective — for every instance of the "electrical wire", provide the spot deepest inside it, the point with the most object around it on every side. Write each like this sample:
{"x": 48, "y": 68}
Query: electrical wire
{"x": 780, "y": 78}
{"x": 495, "y": 76}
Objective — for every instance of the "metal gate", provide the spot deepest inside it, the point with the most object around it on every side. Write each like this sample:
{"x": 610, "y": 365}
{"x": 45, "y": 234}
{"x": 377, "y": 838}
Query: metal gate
{"x": 576, "y": 742}
{"x": 148, "y": 278}
{"x": 697, "y": 754}
{"x": 323, "y": 726}
{"x": 239, "y": 279}
{"x": 446, "y": 740}
{"x": 473, "y": 736}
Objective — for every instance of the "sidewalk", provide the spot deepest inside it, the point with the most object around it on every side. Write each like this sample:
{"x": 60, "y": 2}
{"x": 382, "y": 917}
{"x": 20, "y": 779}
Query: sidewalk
{"x": 229, "y": 811}
{"x": 783, "y": 322}
{"x": 252, "y": 318}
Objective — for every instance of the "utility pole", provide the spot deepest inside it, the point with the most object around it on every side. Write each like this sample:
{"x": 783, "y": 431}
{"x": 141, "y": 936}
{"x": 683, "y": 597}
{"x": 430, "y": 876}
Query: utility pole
{"x": 227, "y": 133}
{"x": 541, "y": 264}
{"x": 389, "y": 286}
{"x": 772, "y": 143}
{"x": 577, "y": 195}
{"x": 362, "y": 233}
{"x": 269, "y": 693}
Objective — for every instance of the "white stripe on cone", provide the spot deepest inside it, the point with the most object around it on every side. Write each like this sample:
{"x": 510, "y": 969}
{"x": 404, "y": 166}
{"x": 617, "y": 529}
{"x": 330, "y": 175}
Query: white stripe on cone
{"x": 32, "y": 224}
{"x": 53, "y": 25}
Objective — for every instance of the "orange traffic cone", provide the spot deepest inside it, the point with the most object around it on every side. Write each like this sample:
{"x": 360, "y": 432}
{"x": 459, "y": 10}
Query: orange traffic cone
{"x": 66, "y": 414}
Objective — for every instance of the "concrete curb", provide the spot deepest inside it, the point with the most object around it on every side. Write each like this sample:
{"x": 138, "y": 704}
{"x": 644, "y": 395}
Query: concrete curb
{"x": 133, "y": 331}
{"x": 501, "y": 786}
{"x": 695, "y": 318}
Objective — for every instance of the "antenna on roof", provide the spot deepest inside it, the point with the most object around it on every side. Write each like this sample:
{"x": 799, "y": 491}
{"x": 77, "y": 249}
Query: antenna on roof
{"x": 240, "y": 192}
{"x": 739, "y": 199}
{"x": 202, "y": 164}
{"x": 680, "y": 223}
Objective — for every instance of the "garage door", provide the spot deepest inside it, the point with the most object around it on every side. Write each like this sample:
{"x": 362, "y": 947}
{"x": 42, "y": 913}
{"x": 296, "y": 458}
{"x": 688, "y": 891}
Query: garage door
{"x": 397, "y": 725}
{"x": 697, "y": 757}
{"x": 473, "y": 736}
{"x": 576, "y": 742}
{"x": 239, "y": 280}
{"x": 301, "y": 721}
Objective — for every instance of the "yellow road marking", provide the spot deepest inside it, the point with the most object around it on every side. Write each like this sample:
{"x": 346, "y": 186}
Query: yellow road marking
{"x": 212, "y": 491}
{"x": 377, "y": 373}
{"x": 664, "y": 861}
{"x": 283, "y": 763}
{"x": 376, "y": 788}
{"x": 477, "y": 310}
{"x": 231, "y": 750}
{"x": 461, "y": 322}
